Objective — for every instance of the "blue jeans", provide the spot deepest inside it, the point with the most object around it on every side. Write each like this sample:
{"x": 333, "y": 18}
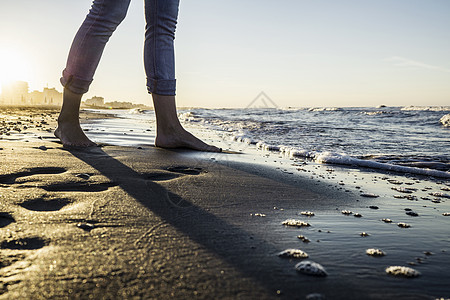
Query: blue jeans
{"x": 102, "y": 20}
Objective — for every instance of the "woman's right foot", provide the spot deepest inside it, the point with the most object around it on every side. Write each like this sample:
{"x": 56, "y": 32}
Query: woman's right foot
{"x": 71, "y": 135}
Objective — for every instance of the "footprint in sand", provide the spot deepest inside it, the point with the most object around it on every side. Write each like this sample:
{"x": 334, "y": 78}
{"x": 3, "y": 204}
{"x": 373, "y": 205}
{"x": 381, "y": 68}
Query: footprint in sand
{"x": 160, "y": 176}
{"x": 79, "y": 187}
{"x": 171, "y": 173}
{"x": 11, "y": 178}
{"x": 185, "y": 170}
{"x": 45, "y": 204}
{"x": 5, "y": 219}
{"x": 31, "y": 243}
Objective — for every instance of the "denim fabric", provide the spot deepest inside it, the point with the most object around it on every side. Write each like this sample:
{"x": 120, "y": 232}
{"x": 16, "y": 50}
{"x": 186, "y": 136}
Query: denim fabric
{"x": 102, "y": 20}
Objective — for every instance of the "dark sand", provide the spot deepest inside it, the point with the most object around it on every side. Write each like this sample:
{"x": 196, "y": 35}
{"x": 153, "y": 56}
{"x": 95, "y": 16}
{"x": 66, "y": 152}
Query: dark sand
{"x": 126, "y": 223}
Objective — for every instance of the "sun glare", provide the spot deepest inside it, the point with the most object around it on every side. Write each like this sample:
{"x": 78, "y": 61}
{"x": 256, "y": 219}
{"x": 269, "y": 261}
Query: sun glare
{"x": 13, "y": 67}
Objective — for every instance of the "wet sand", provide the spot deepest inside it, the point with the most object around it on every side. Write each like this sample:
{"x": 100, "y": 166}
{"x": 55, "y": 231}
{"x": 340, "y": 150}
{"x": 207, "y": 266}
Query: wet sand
{"x": 122, "y": 222}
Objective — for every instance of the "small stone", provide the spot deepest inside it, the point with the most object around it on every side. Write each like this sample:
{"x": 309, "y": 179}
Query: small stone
{"x": 357, "y": 215}
{"x": 439, "y": 194}
{"x": 403, "y": 225}
{"x": 259, "y": 215}
{"x": 293, "y": 253}
{"x": 369, "y": 195}
{"x": 393, "y": 181}
{"x": 375, "y": 252}
{"x": 412, "y": 214}
{"x": 303, "y": 238}
{"x": 86, "y": 226}
{"x": 43, "y": 148}
{"x": 428, "y": 253}
{"x": 364, "y": 234}
{"x": 346, "y": 212}
{"x": 402, "y": 271}
{"x": 307, "y": 213}
{"x": 446, "y": 214}
{"x": 373, "y": 207}
{"x": 295, "y": 223}
{"x": 309, "y": 267}
{"x": 387, "y": 220}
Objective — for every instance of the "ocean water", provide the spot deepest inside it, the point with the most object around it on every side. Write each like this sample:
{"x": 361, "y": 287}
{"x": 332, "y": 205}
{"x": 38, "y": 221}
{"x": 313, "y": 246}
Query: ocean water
{"x": 317, "y": 142}
{"x": 405, "y": 139}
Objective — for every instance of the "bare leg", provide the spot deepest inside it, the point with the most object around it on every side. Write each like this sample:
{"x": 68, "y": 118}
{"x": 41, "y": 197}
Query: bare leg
{"x": 169, "y": 132}
{"x": 69, "y": 130}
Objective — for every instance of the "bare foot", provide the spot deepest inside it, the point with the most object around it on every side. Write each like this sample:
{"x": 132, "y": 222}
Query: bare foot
{"x": 169, "y": 132}
{"x": 69, "y": 130}
{"x": 71, "y": 135}
{"x": 183, "y": 139}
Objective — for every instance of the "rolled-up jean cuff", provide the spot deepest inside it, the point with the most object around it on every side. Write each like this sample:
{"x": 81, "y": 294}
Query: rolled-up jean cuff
{"x": 164, "y": 87}
{"x": 75, "y": 84}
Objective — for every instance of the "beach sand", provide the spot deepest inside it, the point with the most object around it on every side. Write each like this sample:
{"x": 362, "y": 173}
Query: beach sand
{"x": 146, "y": 223}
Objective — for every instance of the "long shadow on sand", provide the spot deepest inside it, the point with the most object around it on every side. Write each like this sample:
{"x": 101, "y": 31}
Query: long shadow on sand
{"x": 254, "y": 257}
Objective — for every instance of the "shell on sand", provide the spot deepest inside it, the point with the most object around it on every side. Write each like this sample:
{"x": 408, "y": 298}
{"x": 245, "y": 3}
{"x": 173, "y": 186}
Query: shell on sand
{"x": 375, "y": 252}
{"x": 295, "y": 223}
{"x": 309, "y": 267}
{"x": 402, "y": 271}
{"x": 293, "y": 253}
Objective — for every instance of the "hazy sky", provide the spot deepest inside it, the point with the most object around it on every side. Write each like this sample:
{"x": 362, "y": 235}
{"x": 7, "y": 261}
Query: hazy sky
{"x": 301, "y": 53}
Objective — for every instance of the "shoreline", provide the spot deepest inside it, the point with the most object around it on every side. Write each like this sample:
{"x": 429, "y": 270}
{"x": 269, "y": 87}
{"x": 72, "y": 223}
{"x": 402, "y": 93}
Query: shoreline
{"x": 120, "y": 222}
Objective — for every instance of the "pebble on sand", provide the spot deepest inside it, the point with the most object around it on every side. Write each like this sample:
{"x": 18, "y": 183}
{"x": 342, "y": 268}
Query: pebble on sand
{"x": 309, "y": 267}
{"x": 402, "y": 271}
{"x": 369, "y": 195}
{"x": 412, "y": 214}
{"x": 386, "y": 220}
{"x": 86, "y": 226}
{"x": 303, "y": 238}
{"x": 403, "y": 225}
{"x": 439, "y": 195}
{"x": 357, "y": 215}
{"x": 346, "y": 212}
{"x": 446, "y": 214}
{"x": 307, "y": 213}
{"x": 375, "y": 252}
{"x": 364, "y": 234}
{"x": 295, "y": 223}
{"x": 293, "y": 253}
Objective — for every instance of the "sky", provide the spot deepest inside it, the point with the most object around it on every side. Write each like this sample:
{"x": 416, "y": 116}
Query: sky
{"x": 301, "y": 53}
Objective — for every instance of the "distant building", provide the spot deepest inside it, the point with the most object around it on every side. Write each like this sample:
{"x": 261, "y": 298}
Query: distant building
{"x": 52, "y": 96}
{"x": 95, "y": 101}
{"x": 36, "y": 98}
{"x": 15, "y": 93}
